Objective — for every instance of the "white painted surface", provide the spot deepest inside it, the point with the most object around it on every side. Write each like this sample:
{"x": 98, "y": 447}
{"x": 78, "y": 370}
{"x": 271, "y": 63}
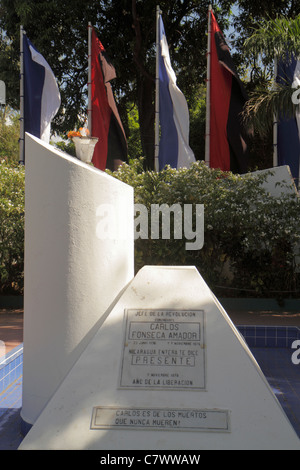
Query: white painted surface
{"x": 280, "y": 182}
{"x": 234, "y": 381}
{"x": 72, "y": 276}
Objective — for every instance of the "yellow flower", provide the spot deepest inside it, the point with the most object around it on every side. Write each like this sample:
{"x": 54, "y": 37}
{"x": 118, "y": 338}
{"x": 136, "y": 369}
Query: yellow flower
{"x": 83, "y": 132}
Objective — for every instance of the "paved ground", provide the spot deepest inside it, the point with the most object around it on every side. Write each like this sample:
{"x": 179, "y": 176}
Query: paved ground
{"x": 11, "y": 323}
{"x": 267, "y": 317}
{"x": 11, "y": 329}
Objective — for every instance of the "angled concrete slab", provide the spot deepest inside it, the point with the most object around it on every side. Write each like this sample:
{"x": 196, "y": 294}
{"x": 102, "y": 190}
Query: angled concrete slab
{"x": 166, "y": 370}
{"x": 74, "y": 268}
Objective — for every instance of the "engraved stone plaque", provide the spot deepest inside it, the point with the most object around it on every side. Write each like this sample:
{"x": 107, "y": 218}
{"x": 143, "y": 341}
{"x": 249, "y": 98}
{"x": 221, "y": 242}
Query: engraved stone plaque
{"x": 160, "y": 419}
{"x": 164, "y": 349}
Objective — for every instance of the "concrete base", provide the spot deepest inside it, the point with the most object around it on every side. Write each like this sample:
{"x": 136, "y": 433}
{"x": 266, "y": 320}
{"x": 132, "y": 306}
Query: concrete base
{"x": 166, "y": 370}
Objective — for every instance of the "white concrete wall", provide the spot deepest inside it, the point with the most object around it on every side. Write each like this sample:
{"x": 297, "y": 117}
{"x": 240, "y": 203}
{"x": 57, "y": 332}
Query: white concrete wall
{"x": 72, "y": 274}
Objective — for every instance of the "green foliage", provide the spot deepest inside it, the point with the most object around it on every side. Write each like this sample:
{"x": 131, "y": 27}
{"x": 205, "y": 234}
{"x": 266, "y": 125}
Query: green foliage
{"x": 197, "y": 111}
{"x": 264, "y": 104}
{"x": 133, "y": 137}
{"x": 127, "y": 30}
{"x": 272, "y": 38}
{"x": 66, "y": 146}
{"x": 251, "y": 239}
{"x": 275, "y": 37}
{"x": 12, "y": 184}
{"x": 9, "y": 136}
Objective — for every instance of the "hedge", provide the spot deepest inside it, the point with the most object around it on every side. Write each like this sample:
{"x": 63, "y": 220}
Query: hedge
{"x": 251, "y": 240}
{"x": 12, "y": 199}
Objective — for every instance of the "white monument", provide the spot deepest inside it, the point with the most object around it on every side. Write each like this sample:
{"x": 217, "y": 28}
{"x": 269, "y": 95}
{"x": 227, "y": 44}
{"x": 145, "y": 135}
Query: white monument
{"x": 166, "y": 370}
{"x": 75, "y": 265}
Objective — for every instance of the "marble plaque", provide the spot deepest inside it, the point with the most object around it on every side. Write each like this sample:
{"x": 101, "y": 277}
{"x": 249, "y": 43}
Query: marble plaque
{"x": 163, "y": 349}
{"x": 160, "y": 419}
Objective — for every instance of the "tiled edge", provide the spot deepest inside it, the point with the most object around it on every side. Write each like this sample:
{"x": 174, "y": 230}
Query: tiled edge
{"x": 269, "y": 336}
{"x": 11, "y": 367}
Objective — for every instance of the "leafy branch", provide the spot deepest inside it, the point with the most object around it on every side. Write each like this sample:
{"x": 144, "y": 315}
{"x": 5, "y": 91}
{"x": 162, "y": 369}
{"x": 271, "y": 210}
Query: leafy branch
{"x": 265, "y": 104}
{"x": 279, "y": 37}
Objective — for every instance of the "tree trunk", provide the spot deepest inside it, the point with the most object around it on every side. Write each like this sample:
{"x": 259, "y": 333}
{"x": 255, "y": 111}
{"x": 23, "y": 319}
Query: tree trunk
{"x": 146, "y": 118}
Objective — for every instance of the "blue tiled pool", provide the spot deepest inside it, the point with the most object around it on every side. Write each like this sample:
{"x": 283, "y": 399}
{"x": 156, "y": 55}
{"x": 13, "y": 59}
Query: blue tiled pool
{"x": 269, "y": 336}
{"x": 11, "y": 369}
{"x": 271, "y": 347}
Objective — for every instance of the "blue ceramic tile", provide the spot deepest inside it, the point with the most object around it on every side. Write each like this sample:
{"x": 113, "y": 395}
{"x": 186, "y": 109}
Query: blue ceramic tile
{"x": 271, "y": 341}
{"x": 260, "y": 331}
{"x": 250, "y": 331}
{"x": 281, "y": 332}
{"x": 260, "y": 342}
{"x": 271, "y": 332}
{"x": 281, "y": 342}
{"x": 6, "y": 382}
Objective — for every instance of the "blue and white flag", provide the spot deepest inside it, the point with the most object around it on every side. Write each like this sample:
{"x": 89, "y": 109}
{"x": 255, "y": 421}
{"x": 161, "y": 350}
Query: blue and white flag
{"x": 288, "y": 129}
{"x": 174, "y": 146}
{"x": 41, "y": 93}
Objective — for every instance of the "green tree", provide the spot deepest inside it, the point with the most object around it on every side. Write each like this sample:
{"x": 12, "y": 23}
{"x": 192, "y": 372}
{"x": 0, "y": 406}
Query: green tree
{"x": 133, "y": 133}
{"x": 12, "y": 194}
{"x": 277, "y": 39}
{"x": 251, "y": 239}
{"x": 197, "y": 107}
{"x": 9, "y": 136}
{"x": 127, "y": 30}
{"x": 250, "y": 16}
{"x": 258, "y": 69}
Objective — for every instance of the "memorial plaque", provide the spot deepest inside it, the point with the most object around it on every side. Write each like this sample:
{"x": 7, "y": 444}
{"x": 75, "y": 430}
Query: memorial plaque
{"x": 164, "y": 349}
{"x": 160, "y": 419}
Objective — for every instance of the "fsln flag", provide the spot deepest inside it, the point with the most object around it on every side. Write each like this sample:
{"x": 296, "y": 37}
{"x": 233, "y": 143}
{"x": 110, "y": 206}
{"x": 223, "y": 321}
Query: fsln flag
{"x": 106, "y": 122}
{"x": 228, "y": 138}
{"x": 174, "y": 146}
{"x": 41, "y": 93}
{"x": 288, "y": 129}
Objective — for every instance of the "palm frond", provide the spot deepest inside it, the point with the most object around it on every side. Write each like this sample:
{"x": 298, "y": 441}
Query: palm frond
{"x": 263, "y": 105}
{"x": 279, "y": 37}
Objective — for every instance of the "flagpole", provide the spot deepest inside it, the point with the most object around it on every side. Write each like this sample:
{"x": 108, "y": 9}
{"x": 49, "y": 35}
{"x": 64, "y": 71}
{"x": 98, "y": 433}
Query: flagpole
{"x": 156, "y": 145}
{"x": 275, "y": 121}
{"x": 207, "y": 121}
{"x": 22, "y": 133}
{"x": 90, "y": 77}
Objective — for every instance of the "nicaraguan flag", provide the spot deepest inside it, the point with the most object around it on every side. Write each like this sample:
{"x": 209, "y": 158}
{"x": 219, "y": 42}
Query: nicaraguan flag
{"x": 41, "y": 93}
{"x": 288, "y": 129}
{"x": 174, "y": 146}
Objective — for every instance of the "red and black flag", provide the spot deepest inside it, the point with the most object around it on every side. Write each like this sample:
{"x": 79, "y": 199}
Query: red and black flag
{"x": 228, "y": 138}
{"x": 106, "y": 124}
